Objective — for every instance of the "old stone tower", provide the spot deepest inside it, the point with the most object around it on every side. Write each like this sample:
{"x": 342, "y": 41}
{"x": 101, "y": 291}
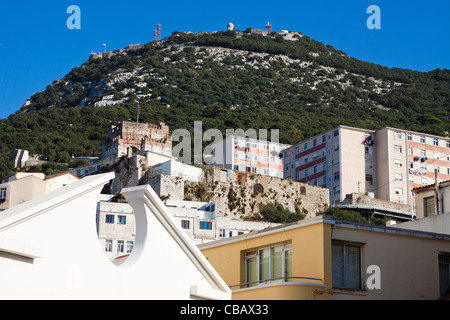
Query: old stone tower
{"x": 130, "y": 137}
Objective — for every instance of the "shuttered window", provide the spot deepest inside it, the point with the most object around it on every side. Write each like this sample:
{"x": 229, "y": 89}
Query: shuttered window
{"x": 346, "y": 264}
{"x": 444, "y": 274}
{"x": 429, "y": 207}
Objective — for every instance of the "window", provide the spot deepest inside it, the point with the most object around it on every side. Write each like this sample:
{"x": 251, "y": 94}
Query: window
{"x": 324, "y": 138}
{"x": 336, "y": 147}
{"x": 324, "y": 180}
{"x": 205, "y": 225}
{"x": 315, "y": 169}
{"x": 271, "y": 264}
{"x": 305, "y": 147}
{"x": 3, "y": 193}
{"x": 221, "y": 233}
{"x": 399, "y": 191}
{"x": 444, "y": 274}
{"x": 410, "y": 150}
{"x": 422, "y": 139}
{"x": 109, "y": 218}
{"x": 424, "y": 181}
{"x": 398, "y": 163}
{"x": 397, "y": 135}
{"x": 122, "y": 220}
{"x": 435, "y": 142}
{"x": 369, "y": 179}
{"x": 398, "y": 177}
{"x": 336, "y": 133}
{"x": 397, "y": 148}
{"x": 423, "y": 153}
{"x": 346, "y": 266}
{"x": 108, "y": 246}
{"x": 369, "y": 164}
{"x": 337, "y": 190}
{"x": 314, "y": 142}
{"x": 429, "y": 207}
{"x": 185, "y": 224}
{"x": 447, "y": 144}
{"x": 130, "y": 245}
{"x": 120, "y": 246}
{"x": 336, "y": 176}
{"x": 409, "y": 135}
{"x": 306, "y": 173}
{"x": 306, "y": 159}
{"x": 368, "y": 150}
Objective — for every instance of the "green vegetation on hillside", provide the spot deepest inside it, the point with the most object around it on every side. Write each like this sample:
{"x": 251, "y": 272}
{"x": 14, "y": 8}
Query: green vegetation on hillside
{"x": 300, "y": 87}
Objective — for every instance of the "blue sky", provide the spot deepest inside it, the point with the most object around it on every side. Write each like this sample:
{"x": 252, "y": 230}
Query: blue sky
{"x": 36, "y": 47}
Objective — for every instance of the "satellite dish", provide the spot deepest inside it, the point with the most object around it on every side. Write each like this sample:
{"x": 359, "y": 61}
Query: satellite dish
{"x": 230, "y": 26}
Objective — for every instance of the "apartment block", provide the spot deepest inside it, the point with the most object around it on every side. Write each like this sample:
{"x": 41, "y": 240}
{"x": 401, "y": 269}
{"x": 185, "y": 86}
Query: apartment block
{"x": 250, "y": 155}
{"x": 341, "y": 159}
{"x": 386, "y": 164}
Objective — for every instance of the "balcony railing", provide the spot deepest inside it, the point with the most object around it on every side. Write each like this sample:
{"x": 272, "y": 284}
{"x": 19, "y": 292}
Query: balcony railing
{"x": 255, "y": 284}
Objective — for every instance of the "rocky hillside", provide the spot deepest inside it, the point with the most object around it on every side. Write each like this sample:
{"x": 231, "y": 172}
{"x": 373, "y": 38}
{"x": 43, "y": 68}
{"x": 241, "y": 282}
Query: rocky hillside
{"x": 226, "y": 79}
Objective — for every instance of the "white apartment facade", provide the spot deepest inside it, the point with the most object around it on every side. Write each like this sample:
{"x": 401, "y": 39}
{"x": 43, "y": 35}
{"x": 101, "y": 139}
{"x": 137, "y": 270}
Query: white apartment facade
{"x": 386, "y": 164}
{"x": 116, "y": 228}
{"x": 116, "y": 224}
{"x": 250, "y": 155}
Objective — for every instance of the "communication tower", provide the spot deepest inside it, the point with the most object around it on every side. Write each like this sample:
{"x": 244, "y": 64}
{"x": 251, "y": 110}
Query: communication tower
{"x": 268, "y": 27}
{"x": 157, "y": 32}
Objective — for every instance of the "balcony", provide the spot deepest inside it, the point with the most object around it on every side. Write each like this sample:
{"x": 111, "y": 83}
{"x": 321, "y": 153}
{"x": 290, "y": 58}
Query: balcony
{"x": 285, "y": 288}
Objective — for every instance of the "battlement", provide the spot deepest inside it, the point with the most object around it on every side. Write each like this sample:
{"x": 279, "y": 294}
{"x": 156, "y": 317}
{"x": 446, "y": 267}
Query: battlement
{"x": 136, "y": 137}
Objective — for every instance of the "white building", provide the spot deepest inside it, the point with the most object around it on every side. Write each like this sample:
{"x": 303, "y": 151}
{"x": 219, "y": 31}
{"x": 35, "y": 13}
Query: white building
{"x": 49, "y": 249}
{"x": 116, "y": 224}
{"x": 386, "y": 164}
{"x": 432, "y": 209}
{"x": 249, "y": 155}
{"x": 175, "y": 168}
{"x": 24, "y": 186}
{"x": 116, "y": 228}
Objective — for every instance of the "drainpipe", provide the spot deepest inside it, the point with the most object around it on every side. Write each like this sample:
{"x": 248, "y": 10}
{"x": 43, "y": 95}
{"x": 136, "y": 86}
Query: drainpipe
{"x": 438, "y": 192}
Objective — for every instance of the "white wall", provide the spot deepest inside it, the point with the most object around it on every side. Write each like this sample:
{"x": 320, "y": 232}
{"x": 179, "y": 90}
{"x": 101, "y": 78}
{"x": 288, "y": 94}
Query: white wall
{"x": 179, "y": 169}
{"x": 49, "y": 250}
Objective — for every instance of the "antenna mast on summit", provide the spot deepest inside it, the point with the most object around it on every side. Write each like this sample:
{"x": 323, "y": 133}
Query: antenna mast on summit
{"x": 157, "y": 32}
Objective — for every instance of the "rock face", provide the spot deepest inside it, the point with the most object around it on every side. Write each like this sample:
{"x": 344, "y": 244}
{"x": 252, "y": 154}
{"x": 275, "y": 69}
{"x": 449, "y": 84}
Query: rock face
{"x": 238, "y": 193}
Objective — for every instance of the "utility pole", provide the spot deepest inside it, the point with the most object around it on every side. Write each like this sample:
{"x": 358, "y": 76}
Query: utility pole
{"x": 138, "y": 111}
